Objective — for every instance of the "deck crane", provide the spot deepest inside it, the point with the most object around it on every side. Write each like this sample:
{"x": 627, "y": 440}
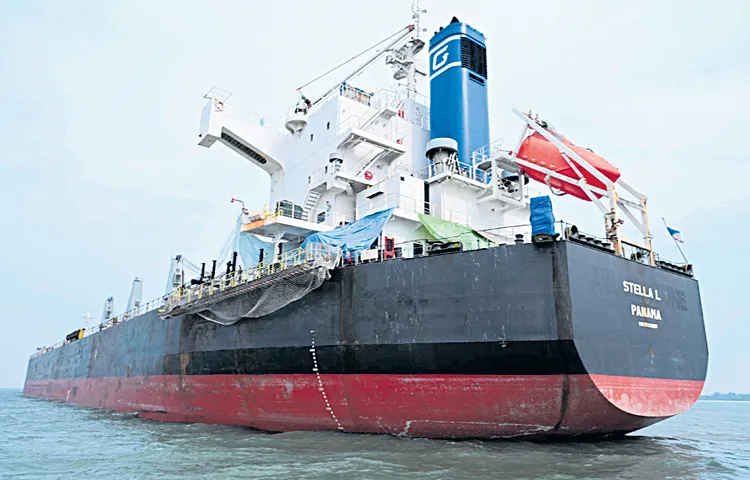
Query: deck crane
{"x": 107, "y": 311}
{"x": 390, "y": 42}
{"x": 177, "y": 269}
{"x": 179, "y": 264}
{"x": 136, "y": 296}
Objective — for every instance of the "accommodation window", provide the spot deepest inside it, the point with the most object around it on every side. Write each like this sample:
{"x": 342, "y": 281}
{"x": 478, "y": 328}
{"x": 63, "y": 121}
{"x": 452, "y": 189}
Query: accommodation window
{"x": 418, "y": 250}
{"x": 311, "y": 137}
{"x": 328, "y": 125}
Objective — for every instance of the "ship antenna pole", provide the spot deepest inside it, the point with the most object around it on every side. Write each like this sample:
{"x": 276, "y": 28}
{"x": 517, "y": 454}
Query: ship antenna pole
{"x": 87, "y": 317}
{"x": 411, "y": 74}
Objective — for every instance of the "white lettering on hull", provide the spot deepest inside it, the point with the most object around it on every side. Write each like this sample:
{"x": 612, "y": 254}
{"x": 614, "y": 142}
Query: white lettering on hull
{"x": 640, "y": 290}
{"x": 645, "y": 312}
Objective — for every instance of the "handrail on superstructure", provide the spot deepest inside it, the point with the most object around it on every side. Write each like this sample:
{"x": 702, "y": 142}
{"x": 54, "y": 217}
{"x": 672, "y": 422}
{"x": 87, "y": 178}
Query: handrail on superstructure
{"x": 253, "y": 117}
{"x": 488, "y": 152}
{"x": 389, "y": 132}
{"x": 398, "y": 200}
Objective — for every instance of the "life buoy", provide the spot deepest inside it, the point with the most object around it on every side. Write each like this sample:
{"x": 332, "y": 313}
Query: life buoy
{"x": 218, "y": 104}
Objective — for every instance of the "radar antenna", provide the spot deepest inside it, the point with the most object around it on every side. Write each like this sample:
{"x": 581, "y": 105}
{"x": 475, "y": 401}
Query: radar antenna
{"x": 108, "y": 307}
{"x": 403, "y": 57}
{"x": 416, "y": 44}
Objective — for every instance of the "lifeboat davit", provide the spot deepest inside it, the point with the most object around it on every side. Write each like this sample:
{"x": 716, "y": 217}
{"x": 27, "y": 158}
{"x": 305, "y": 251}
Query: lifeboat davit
{"x": 538, "y": 150}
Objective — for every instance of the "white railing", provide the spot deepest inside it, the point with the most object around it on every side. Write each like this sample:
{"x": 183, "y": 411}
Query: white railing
{"x": 422, "y": 99}
{"x": 488, "y": 152}
{"x": 365, "y": 160}
{"x": 423, "y": 121}
{"x": 398, "y": 169}
{"x": 400, "y": 98}
{"x": 318, "y": 176}
{"x": 345, "y": 90}
{"x": 508, "y": 235}
{"x": 469, "y": 171}
{"x": 387, "y": 98}
{"x": 141, "y": 309}
{"x": 382, "y": 97}
{"x": 252, "y": 117}
{"x": 411, "y": 205}
{"x": 404, "y": 203}
{"x": 387, "y": 131}
{"x": 354, "y": 93}
{"x": 321, "y": 175}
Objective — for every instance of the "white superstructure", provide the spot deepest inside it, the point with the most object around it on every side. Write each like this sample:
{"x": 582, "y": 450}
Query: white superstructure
{"x": 354, "y": 152}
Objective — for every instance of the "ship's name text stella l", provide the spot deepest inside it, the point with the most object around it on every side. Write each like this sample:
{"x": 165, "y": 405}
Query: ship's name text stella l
{"x": 641, "y": 310}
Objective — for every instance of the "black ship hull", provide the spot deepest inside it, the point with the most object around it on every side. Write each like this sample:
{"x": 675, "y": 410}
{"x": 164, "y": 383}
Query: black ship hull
{"x": 521, "y": 340}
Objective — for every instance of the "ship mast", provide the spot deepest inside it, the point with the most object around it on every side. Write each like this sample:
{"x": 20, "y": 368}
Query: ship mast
{"x": 411, "y": 76}
{"x": 403, "y": 58}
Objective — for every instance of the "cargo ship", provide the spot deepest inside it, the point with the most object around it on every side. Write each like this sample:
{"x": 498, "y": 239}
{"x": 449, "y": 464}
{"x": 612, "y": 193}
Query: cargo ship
{"x": 405, "y": 278}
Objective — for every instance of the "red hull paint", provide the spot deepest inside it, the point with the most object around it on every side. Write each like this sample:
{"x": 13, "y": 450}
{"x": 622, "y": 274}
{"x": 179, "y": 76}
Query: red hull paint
{"x": 650, "y": 397}
{"x": 436, "y": 406}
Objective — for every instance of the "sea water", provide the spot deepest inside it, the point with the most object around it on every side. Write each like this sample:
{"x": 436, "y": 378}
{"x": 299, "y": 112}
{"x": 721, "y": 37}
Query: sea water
{"x": 44, "y": 439}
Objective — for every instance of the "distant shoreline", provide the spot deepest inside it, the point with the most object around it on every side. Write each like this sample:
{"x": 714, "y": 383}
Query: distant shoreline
{"x": 726, "y": 397}
{"x": 719, "y": 400}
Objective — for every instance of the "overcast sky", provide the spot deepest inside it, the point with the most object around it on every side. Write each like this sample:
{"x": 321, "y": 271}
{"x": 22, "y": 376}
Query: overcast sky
{"x": 101, "y": 178}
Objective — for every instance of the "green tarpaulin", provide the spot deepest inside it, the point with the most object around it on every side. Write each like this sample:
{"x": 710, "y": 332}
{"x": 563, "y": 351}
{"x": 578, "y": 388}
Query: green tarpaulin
{"x": 436, "y": 229}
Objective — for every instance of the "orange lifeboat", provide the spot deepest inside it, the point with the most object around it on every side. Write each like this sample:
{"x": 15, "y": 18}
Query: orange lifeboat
{"x": 538, "y": 150}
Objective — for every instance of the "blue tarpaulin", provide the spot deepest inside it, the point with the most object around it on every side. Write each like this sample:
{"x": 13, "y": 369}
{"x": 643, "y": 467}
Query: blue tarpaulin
{"x": 355, "y": 236}
{"x": 542, "y": 218}
{"x": 250, "y": 245}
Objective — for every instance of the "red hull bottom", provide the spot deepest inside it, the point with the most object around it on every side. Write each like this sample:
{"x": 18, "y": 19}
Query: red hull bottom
{"x": 434, "y": 406}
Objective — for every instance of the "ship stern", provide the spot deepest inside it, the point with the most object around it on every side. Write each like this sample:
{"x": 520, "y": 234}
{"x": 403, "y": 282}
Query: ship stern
{"x": 639, "y": 336}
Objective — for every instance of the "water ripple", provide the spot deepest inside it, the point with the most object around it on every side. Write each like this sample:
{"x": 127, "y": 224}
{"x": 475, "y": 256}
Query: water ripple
{"x": 41, "y": 439}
